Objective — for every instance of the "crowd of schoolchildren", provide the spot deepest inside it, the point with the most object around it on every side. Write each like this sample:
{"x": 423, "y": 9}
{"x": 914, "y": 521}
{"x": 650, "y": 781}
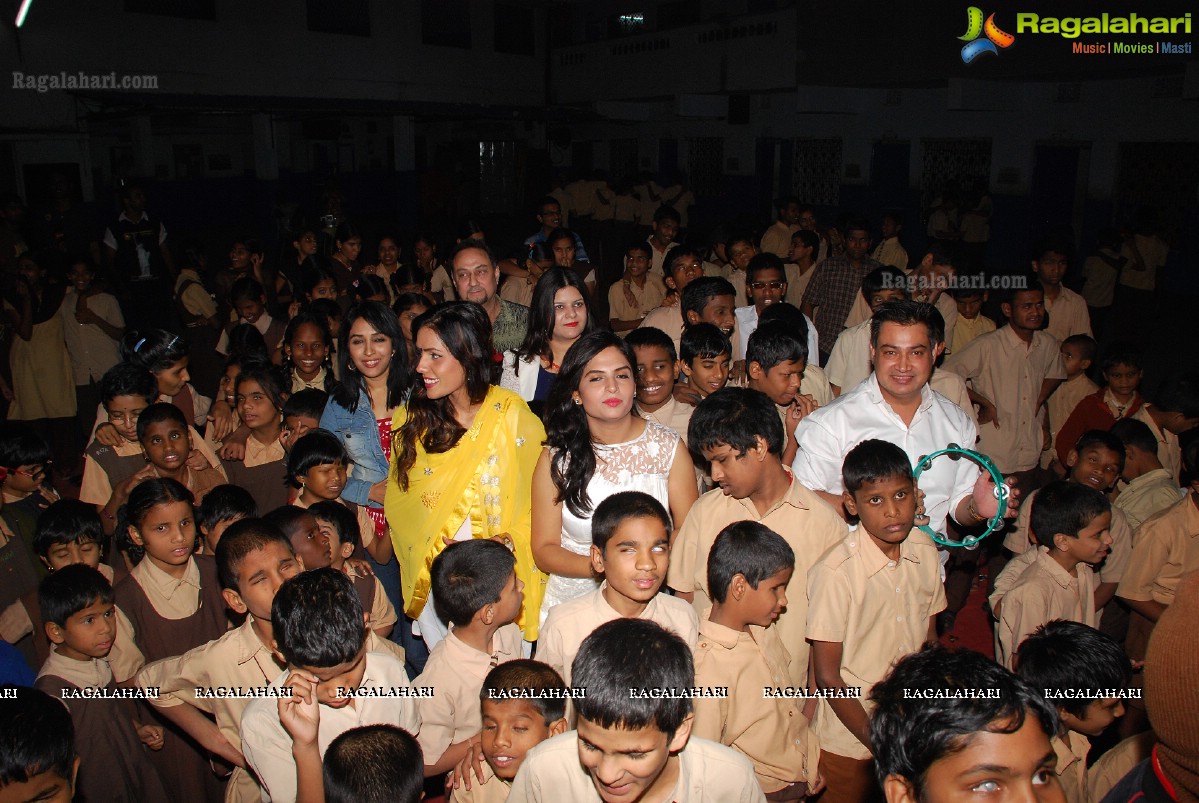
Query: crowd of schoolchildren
{"x": 336, "y": 527}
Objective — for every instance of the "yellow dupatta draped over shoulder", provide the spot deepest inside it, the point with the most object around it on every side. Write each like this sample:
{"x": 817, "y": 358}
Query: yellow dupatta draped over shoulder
{"x": 487, "y": 476}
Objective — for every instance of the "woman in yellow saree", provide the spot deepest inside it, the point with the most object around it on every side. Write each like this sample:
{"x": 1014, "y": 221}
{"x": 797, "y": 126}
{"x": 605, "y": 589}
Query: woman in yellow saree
{"x": 463, "y": 458}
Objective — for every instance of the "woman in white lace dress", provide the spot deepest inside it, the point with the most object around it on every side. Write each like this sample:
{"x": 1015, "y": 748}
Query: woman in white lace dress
{"x": 595, "y": 447}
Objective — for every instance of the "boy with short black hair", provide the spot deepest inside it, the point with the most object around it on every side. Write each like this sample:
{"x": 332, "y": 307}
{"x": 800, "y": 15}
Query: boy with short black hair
{"x": 704, "y": 358}
{"x": 477, "y": 593}
{"x": 958, "y": 733}
{"x": 766, "y": 285}
{"x": 684, "y": 264}
{"x": 37, "y": 747}
{"x": 885, "y": 570}
{"x": 1012, "y": 372}
{"x": 79, "y": 617}
{"x": 737, "y": 431}
{"x": 1096, "y": 461}
{"x": 283, "y": 741}
{"x": 775, "y": 364}
{"x": 126, "y": 390}
{"x": 1072, "y": 522}
{"x": 523, "y": 703}
{"x": 749, "y": 568}
{"x": 1120, "y": 398}
{"x": 302, "y": 413}
{"x": 710, "y": 299}
{"x": 630, "y": 548}
{"x": 165, "y": 438}
{"x": 248, "y": 300}
{"x": 343, "y": 529}
{"x": 637, "y": 291}
{"x": 657, "y": 370}
{"x": 1067, "y": 310}
{"x": 69, "y": 531}
{"x": 1149, "y": 487}
{"x": 253, "y": 559}
{"x": 634, "y": 746}
{"x": 25, "y": 458}
{"x": 374, "y": 764}
{"x": 1074, "y": 664}
{"x": 222, "y": 506}
{"x": 1078, "y": 352}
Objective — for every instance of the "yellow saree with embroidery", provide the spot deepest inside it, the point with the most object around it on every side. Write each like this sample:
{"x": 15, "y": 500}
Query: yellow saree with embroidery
{"x": 488, "y": 477}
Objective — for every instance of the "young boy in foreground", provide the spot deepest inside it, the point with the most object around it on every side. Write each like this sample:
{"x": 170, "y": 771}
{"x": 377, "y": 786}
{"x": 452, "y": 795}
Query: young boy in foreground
{"x": 985, "y": 734}
{"x": 37, "y": 747}
{"x": 523, "y": 703}
{"x": 630, "y": 548}
{"x": 1083, "y": 673}
{"x": 253, "y": 560}
{"x": 335, "y": 685}
{"x": 477, "y": 592}
{"x": 738, "y": 432}
{"x": 873, "y": 599}
{"x": 634, "y": 734}
{"x": 748, "y": 571}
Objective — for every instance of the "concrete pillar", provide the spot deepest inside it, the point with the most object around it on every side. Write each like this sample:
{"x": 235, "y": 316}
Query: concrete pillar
{"x": 266, "y": 155}
{"x": 143, "y": 146}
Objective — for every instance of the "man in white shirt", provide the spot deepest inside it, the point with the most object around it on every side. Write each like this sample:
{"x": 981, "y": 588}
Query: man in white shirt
{"x": 895, "y": 404}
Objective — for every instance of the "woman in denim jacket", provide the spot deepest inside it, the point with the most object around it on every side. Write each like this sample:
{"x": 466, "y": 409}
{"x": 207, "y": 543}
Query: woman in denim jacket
{"x": 375, "y": 379}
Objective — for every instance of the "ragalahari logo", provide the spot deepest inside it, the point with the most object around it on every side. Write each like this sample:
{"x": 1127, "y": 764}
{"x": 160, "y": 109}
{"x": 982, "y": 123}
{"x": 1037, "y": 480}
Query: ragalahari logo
{"x": 975, "y": 27}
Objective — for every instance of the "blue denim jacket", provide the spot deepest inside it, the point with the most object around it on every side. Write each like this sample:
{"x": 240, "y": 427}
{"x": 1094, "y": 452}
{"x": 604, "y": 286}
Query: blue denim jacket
{"x": 360, "y": 435}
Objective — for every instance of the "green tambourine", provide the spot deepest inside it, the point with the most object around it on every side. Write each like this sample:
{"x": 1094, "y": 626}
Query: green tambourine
{"x": 1002, "y": 491}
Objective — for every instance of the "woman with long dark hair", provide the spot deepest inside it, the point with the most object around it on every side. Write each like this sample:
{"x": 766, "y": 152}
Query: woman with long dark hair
{"x": 559, "y": 316}
{"x": 375, "y": 379}
{"x": 463, "y": 461}
{"x": 597, "y": 446}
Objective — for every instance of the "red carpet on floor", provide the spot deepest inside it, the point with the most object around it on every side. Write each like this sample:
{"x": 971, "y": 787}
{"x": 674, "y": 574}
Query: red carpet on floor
{"x": 972, "y": 630}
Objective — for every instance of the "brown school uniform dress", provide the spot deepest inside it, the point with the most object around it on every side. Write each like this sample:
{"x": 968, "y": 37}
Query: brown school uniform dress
{"x": 113, "y": 765}
{"x": 181, "y": 760}
{"x": 262, "y": 473}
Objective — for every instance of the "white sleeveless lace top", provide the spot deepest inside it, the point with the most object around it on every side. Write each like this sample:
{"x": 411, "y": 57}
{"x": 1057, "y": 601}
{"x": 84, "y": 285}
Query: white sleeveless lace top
{"x": 642, "y": 464}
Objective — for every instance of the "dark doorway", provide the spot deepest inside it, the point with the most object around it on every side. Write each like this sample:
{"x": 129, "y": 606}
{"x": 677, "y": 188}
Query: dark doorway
{"x": 1059, "y": 177}
{"x": 890, "y": 172}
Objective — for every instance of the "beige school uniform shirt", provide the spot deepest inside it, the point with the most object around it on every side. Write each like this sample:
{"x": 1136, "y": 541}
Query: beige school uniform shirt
{"x": 1009, "y": 373}
{"x": 878, "y": 609}
{"x": 708, "y": 773}
{"x": 456, "y": 672}
{"x": 1071, "y": 768}
{"x": 797, "y": 283}
{"x": 236, "y": 659}
{"x": 808, "y": 524}
{"x": 568, "y": 623}
{"x": 648, "y": 297}
{"x": 1112, "y": 571}
{"x": 673, "y": 415}
{"x": 771, "y": 732}
{"x": 1147, "y": 494}
{"x": 267, "y": 745}
{"x": 1044, "y": 592}
{"x": 967, "y": 329}
{"x": 777, "y": 239}
{"x": 1166, "y": 547}
{"x": 1169, "y": 451}
{"x": 891, "y": 252}
{"x": 1068, "y": 315}
{"x": 667, "y": 319}
{"x": 489, "y": 790}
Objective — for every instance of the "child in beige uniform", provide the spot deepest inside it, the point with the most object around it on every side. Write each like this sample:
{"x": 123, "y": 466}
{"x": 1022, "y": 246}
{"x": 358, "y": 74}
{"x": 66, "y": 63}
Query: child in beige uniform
{"x": 1072, "y": 522}
{"x": 522, "y": 703}
{"x": 657, "y": 370}
{"x": 872, "y": 599}
{"x": 630, "y": 548}
{"x": 634, "y": 737}
{"x": 637, "y": 292}
{"x": 738, "y": 432}
{"x": 1148, "y": 487}
{"x": 1073, "y": 662}
{"x": 477, "y": 592}
{"x": 749, "y": 568}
